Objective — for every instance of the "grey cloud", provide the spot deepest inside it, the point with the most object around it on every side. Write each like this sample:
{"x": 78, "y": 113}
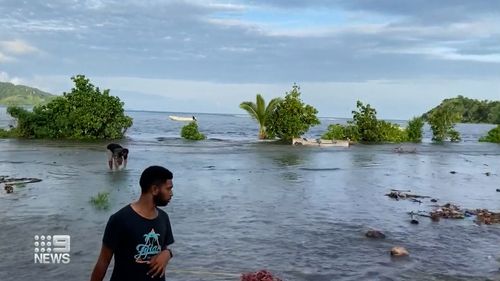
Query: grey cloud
{"x": 187, "y": 40}
{"x": 417, "y": 10}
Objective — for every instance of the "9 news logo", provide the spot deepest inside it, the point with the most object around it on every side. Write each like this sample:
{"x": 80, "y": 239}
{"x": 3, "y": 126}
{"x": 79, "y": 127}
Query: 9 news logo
{"x": 52, "y": 249}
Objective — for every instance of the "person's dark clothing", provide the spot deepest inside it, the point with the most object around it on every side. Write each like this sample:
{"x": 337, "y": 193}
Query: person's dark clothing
{"x": 134, "y": 241}
{"x": 117, "y": 150}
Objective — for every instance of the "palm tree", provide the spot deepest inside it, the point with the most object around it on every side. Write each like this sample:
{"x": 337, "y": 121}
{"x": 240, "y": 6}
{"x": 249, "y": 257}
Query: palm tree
{"x": 259, "y": 111}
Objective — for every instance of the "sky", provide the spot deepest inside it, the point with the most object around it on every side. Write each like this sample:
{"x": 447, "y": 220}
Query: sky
{"x": 401, "y": 57}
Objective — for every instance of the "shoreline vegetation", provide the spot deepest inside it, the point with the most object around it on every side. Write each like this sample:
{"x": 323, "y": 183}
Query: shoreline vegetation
{"x": 289, "y": 118}
{"x": 86, "y": 113}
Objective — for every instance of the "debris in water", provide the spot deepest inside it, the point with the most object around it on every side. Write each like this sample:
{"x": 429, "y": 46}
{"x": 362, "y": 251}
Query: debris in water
{"x": 448, "y": 211}
{"x": 262, "y": 275}
{"x": 375, "y": 234}
{"x": 12, "y": 181}
{"x": 397, "y": 194}
{"x": 9, "y": 188}
{"x": 399, "y": 252}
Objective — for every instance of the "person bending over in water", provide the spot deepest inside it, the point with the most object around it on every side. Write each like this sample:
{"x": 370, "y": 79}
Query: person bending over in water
{"x": 117, "y": 156}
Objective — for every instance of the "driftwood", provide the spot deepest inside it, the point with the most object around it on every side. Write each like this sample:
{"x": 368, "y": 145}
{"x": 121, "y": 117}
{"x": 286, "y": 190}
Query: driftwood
{"x": 403, "y": 150}
{"x": 448, "y": 211}
{"x": 486, "y": 217}
{"x": 12, "y": 181}
{"x": 397, "y": 194}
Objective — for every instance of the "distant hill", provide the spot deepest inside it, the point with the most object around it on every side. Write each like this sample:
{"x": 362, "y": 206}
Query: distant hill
{"x": 472, "y": 110}
{"x": 11, "y": 94}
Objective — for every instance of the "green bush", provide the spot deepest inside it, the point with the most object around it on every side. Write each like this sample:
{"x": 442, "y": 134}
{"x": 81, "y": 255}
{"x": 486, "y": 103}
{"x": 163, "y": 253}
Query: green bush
{"x": 492, "y": 136}
{"x": 334, "y": 132}
{"x": 84, "y": 113}
{"x": 190, "y": 132}
{"x": 366, "y": 128}
{"x": 100, "y": 201}
{"x": 12, "y": 133}
{"x": 341, "y": 132}
{"x": 414, "y": 130}
{"x": 366, "y": 121}
{"x": 389, "y": 132}
{"x": 291, "y": 118}
{"x": 442, "y": 121}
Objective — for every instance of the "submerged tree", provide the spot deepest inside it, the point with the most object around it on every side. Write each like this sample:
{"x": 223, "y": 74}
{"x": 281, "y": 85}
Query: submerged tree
{"x": 414, "y": 129}
{"x": 83, "y": 113}
{"x": 366, "y": 121}
{"x": 492, "y": 136}
{"x": 260, "y": 112}
{"x": 292, "y": 117}
{"x": 442, "y": 121}
{"x": 190, "y": 132}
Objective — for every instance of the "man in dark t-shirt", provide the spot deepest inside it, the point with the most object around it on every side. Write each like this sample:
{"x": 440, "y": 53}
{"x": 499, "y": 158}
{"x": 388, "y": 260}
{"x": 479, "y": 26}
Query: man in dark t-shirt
{"x": 138, "y": 235}
{"x": 117, "y": 156}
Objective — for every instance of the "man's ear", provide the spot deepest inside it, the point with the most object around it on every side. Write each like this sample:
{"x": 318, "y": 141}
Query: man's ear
{"x": 155, "y": 189}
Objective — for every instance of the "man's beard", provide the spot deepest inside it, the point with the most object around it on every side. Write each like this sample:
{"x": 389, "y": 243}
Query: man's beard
{"x": 159, "y": 201}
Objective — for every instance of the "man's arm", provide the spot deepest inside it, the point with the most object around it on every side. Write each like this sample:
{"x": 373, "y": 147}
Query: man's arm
{"x": 102, "y": 264}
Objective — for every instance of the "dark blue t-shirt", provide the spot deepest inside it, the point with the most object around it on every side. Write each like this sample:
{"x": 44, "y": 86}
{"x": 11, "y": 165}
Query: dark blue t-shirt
{"x": 134, "y": 241}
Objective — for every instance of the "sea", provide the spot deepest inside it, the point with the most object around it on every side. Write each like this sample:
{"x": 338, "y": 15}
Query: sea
{"x": 242, "y": 205}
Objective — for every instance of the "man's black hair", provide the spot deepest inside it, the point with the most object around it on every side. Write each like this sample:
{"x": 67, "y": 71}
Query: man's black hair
{"x": 124, "y": 153}
{"x": 154, "y": 175}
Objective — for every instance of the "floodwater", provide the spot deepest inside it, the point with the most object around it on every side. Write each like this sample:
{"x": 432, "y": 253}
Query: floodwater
{"x": 241, "y": 205}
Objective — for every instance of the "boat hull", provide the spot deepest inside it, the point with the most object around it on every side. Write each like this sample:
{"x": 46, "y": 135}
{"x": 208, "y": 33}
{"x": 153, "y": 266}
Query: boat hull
{"x": 182, "y": 119}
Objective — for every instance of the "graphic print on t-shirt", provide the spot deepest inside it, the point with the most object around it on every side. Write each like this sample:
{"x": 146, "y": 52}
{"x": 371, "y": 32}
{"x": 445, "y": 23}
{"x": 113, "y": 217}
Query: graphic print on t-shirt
{"x": 150, "y": 248}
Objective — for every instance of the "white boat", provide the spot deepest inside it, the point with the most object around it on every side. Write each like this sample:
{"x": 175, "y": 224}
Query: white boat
{"x": 183, "y": 119}
{"x": 320, "y": 142}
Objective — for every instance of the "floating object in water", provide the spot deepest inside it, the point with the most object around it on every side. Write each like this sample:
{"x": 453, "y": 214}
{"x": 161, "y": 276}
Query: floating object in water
{"x": 414, "y": 221}
{"x": 448, "y": 211}
{"x": 320, "y": 142}
{"x": 399, "y": 252}
{"x": 453, "y": 172}
{"x": 435, "y": 217}
{"x": 396, "y": 194}
{"x": 375, "y": 234}
{"x": 183, "y": 119}
{"x": 434, "y": 200}
{"x": 12, "y": 181}
{"x": 9, "y": 188}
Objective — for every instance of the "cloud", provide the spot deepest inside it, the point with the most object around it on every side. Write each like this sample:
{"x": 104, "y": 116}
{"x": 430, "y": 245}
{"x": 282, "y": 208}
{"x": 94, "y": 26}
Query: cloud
{"x": 5, "y": 77}
{"x": 260, "y": 43}
{"x": 4, "y": 58}
{"x": 17, "y": 47}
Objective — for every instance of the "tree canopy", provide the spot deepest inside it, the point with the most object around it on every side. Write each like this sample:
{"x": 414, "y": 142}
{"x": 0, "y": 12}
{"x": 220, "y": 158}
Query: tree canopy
{"x": 83, "y": 113}
{"x": 492, "y": 136}
{"x": 471, "y": 110}
{"x": 292, "y": 117}
{"x": 260, "y": 112}
{"x": 366, "y": 128}
{"x": 191, "y": 132}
